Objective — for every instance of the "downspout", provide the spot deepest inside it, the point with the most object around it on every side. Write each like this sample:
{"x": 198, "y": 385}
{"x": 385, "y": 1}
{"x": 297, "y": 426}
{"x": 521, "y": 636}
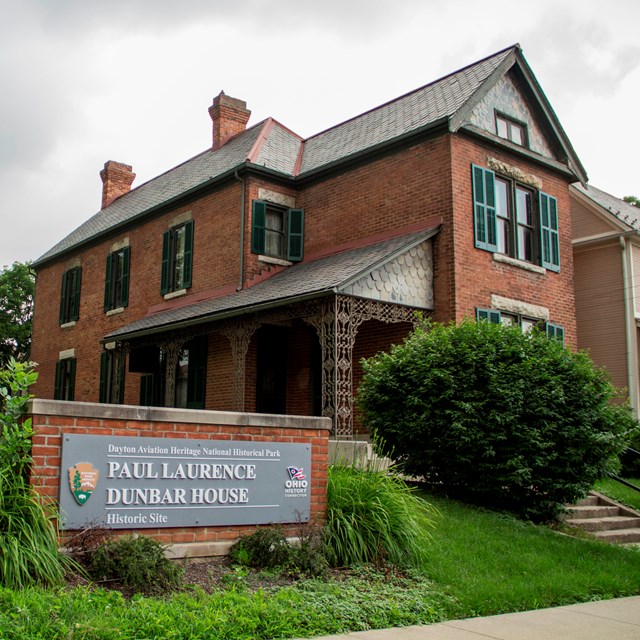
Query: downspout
{"x": 630, "y": 326}
{"x": 242, "y": 229}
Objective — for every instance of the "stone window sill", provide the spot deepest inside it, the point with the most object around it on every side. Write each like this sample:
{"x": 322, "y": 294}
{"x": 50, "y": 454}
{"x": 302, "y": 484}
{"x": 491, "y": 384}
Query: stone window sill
{"x": 527, "y": 266}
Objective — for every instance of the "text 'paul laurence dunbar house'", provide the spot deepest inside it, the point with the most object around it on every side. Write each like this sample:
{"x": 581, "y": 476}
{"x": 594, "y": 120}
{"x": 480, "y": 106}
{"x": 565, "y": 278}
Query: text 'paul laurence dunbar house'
{"x": 255, "y": 276}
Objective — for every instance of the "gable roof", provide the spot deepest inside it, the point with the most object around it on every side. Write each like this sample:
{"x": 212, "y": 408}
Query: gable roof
{"x": 623, "y": 213}
{"x": 302, "y": 281}
{"x": 271, "y": 146}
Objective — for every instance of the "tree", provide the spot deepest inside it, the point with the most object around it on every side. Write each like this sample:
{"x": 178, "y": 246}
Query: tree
{"x": 491, "y": 415}
{"x": 17, "y": 287}
{"x": 632, "y": 200}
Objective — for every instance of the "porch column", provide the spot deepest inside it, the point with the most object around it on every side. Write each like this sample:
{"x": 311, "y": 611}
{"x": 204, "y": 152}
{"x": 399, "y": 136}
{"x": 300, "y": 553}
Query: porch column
{"x": 239, "y": 335}
{"x": 171, "y": 349}
{"x": 323, "y": 322}
{"x": 122, "y": 351}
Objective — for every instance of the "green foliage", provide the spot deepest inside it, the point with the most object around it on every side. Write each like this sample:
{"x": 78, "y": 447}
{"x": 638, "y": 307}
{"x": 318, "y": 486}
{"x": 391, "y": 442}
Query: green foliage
{"x": 495, "y": 416}
{"x": 479, "y": 563}
{"x": 311, "y": 608}
{"x": 28, "y": 538}
{"x": 374, "y": 516}
{"x": 630, "y": 459}
{"x": 634, "y": 200}
{"x": 495, "y": 563}
{"x": 17, "y": 287}
{"x": 620, "y": 492}
{"x": 268, "y": 548}
{"x": 137, "y": 562}
{"x": 265, "y": 549}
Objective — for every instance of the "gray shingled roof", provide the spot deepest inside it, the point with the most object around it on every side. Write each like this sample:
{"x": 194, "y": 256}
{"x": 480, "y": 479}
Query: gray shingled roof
{"x": 625, "y": 212}
{"x": 169, "y": 185}
{"x": 271, "y": 145}
{"x": 403, "y": 115}
{"x": 301, "y": 281}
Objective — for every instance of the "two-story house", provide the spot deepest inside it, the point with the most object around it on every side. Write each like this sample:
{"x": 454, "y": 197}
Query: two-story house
{"x": 256, "y": 275}
{"x": 606, "y": 243}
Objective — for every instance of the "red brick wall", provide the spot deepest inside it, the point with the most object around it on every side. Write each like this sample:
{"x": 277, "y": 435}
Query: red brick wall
{"x": 420, "y": 185}
{"x": 67, "y": 418}
{"x": 477, "y": 275}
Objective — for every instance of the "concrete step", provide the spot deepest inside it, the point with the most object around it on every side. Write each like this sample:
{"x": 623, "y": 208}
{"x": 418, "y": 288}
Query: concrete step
{"x": 577, "y": 512}
{"x": 589, "y": 501}
{"x": 604, "y": 524}
{"x": 620, "y": 536}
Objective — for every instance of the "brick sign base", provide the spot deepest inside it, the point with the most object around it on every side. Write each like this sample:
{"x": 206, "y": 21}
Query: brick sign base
{"x": 109, "y": 445}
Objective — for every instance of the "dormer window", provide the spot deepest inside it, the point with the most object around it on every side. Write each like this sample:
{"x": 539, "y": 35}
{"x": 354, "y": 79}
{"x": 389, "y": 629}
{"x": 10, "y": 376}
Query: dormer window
{"x": 510, "y": 129}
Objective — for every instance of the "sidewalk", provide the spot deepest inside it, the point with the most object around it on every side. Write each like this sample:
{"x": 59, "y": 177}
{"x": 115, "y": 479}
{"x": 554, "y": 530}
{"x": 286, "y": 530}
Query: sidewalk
{"x": 604, "y": 620}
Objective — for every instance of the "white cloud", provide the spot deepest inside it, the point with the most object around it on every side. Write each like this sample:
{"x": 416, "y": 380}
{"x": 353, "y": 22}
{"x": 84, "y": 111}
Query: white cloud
{"x": 85, "y": 82}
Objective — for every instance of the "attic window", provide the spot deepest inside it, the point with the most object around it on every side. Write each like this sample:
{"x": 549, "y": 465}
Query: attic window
{"x": 512, "y": 130}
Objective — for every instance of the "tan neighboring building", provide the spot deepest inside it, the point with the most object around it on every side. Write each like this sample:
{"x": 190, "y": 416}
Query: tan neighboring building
{"x": 606, "y": 254}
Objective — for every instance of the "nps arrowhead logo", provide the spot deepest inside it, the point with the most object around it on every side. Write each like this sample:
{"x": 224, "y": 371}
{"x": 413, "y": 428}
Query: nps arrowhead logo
{"x": 83, "y": 479}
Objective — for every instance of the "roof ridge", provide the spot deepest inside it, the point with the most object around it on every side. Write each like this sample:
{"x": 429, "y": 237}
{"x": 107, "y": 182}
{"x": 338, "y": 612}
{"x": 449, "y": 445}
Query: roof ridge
{"x": 515, "y": 46}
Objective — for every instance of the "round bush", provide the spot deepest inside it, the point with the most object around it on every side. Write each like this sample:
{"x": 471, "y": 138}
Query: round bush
{"x": 492, "y": 415}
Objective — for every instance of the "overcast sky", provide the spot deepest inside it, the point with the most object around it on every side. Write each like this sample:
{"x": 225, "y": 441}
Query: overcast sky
{"x": 84, "y": 82}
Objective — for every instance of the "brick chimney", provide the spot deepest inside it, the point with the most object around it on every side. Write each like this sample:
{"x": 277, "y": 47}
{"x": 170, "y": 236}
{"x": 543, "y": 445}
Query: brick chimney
{"x": 116, "y": 181}
{"x": 230, "y": 117}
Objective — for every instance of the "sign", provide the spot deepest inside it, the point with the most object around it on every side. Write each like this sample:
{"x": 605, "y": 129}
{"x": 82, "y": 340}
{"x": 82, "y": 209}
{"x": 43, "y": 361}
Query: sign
{"x": 136, "y": 483}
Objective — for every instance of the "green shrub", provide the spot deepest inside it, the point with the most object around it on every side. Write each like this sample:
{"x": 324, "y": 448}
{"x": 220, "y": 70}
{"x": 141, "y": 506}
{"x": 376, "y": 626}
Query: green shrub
{"x": 136, "y": 561}
{"x": 374, "y": 516}
{"x": 28, "y": 536}
{"x": 266, "y": 548}
{"x": 492, "y": 415}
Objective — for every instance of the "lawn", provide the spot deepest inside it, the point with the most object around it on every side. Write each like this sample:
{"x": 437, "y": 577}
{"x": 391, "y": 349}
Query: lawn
{"x": 620, "y": 492}
{"x": 479, "y": 563}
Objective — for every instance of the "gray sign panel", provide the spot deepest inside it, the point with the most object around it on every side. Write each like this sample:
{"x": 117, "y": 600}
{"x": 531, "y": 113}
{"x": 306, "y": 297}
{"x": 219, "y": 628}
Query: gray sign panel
{"x": 136, "y": 483}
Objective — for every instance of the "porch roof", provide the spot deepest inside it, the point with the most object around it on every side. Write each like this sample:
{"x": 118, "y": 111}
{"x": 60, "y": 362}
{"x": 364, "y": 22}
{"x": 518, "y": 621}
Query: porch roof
{"x": 302, "y": 281}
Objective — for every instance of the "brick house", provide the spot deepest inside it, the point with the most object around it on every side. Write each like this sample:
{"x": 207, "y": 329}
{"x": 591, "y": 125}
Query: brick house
{"x": 606, "y": 255}
{"x": 256, "y": 275}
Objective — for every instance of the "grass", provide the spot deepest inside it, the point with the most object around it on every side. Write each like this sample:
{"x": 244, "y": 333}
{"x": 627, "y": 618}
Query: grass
{"x": 620, "y": 492}
{"x": 478, "y": 563}
{"x": 495, "y": 564}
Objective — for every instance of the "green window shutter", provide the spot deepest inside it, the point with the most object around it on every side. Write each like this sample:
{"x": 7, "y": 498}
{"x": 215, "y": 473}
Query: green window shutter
{"x": 484, "y": 208}
{"x": 258, "y": 222}
{"x": 555, "y": 332}
{"x": 490, "y": 315}
{"x": 123, "y": 369}
{"x": 107, "y": 283}
{"x": 549, "y": 236}
{"x": 56, "y": 384}
{"x": 166, "y": 263}
{"x": 188, "y": 254}
{"x": 74, "y": 312}
{"x": 124, "y": 295}
{"x": 72, "y": 379}
{"x": 295, "y": 235}
{"x": 102, "y": 395}
{"x": 63, "y": 298}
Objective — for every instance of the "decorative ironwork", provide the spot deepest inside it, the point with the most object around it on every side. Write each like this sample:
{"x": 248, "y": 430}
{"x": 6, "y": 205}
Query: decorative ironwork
{"x": 118, "y": 369}
{"x": 336, "y": 320}
{"x": 350, "y": 314}
{"x": 171, "y": 350}
{"x": 239, "y": 334}
{"x": 323, "y": 321}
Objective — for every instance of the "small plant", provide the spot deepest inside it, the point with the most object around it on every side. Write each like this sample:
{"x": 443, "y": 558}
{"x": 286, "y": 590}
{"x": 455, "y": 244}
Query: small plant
{"x": 309, "y": 557}
{"x": 265, "y": 549}
{"x": 136, "y": 561}
{"x": 28, "y": 537}
{"x": 374, "y": 516}
{"x": 268, "y": 549}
